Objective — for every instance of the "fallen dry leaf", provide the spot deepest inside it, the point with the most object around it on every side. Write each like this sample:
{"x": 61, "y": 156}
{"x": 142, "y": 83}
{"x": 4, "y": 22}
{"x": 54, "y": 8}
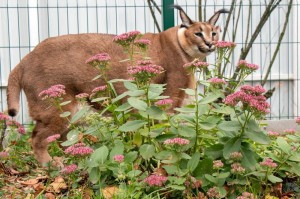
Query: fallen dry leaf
{"x": 50, "y": 196}
{"x": 58, "y": 185}
{"x": 29, "y": 182}
{"x": 109, "y": 192}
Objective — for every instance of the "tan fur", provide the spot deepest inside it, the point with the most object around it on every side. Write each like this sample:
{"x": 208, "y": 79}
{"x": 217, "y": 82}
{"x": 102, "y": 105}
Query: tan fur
{"x": 61, "y": 60}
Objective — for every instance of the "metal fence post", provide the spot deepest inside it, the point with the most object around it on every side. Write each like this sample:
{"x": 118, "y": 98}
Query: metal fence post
{"x": 167, "y": 14}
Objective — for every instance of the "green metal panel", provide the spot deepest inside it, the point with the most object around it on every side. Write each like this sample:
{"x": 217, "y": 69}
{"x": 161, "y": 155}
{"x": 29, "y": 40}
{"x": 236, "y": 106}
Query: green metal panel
{"x": 167, "y": 14}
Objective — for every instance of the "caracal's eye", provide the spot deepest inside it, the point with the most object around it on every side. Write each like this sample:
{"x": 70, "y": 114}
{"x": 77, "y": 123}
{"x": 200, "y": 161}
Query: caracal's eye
{"x": 199, "y": 34}
{"x": 214, "y": 34}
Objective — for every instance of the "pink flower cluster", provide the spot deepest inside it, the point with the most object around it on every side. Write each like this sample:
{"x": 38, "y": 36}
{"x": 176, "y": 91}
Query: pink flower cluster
{"x": 126, "y": 38}
{"x": 298, "y": 120}
{"x": 142, "y": 43}
{"x": 144, "y": 62}
{"x": 273, "y": 134}
{"x": 178, "y": 141}
{"x": 15, "y": 124}
{"x": 53, "y": 138}
{"x": 237, "y": 168}
{"x": 217, "y": 164}
{"x": 98, "y": 58}
{"x": 53, "y": 92}
{"x": 245, "y": 65}
{"x": 119, "y": 158}
{"x": 216, "y": 81}
{"x": 69, "y": 169}
{"x": 251, "y": 98}
{"x": 156, "y": 180}
{"x": 225, "y": 44}
{"x": 196, "y": 64}
{"x": 82, "y": 96}
{"x": 164, "y": 102}
{"x": 268, "y": 162}
{"x": 98, "y": 90}
{"x": 290, "y": 131}
{"x": 79, "y": 149}
{"x": 3, "y": 154}
{"x": 150, "y": 69}
{"x": 4, "y": 117}
{"x": 246, "y": 195}
{"x": 235, "y": 156}
{"x": 213, "y": 193}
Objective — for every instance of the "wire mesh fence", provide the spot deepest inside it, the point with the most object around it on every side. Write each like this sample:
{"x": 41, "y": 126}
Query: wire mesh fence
{"x": 25, "y": 23}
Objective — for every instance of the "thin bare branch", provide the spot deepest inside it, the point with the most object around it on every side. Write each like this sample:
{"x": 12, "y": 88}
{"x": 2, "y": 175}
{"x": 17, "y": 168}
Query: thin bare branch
{"x": 263, "y": 82}
{"x": 156, "y": 6}
{"x": 153, "y": 15}
{"x": 228, "y": 18}
{"x": 200, "y": 10}
{"x": 248, "y": 23}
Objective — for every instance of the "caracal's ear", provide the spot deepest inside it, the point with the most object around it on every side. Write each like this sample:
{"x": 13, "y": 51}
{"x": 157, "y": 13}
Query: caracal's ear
{"x": 186, "y": 21}
{"x": 215, "y": 17}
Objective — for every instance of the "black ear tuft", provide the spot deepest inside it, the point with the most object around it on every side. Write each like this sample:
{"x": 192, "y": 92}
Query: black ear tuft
{"x": 215, "y": 17}
{"x": 186, "y": 21}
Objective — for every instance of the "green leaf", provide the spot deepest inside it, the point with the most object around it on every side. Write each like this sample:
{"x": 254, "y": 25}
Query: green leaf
{"x": 248, "y": 160}
{"x": 72, "y": 138}
{"x": 119, "y": 97}
{"x": 134, "y": 173}
{"x": 177, "y": 187}
{"x": 118, "y": 149}
{"x": 99, "y": 99}
{"x": 230, "y": 126}
{"x": 65, "y": 103}
{"x": 137, "y": 103}
{"x": 171, "y": 169}
{"x": 82, "y": 112}
{"x": 257, "y": 136}
{"x": 193, "y": 162}
{"x": 283, "y": 145}
{"x": 137, "y": 139}
{"x": 189, "y": 91}
{"x": 135, "y": 93}
{"x": 224, "y": 110}
{"x": 155, "y": 113}
{"x": 210, "y": 98}
{"x": 65, "y": 114}
{"x": 130, "y": 157}
{"x": 94, "y": 175}
{"x": 295, "y": 168}
{"x": 224, "y": 175}
{"x": 130, "y": 86}
{"x": 132, "y": 125}
{"x": 147, "y": 151}
{"x": 274, "y": 179}
{"x": 100, "y": 155}
{"x": 215, "y": 151}
{"x": 123, "y": 107}
{"x": 211, "y": 178}
{"x": 186, "y": 131}
{"x": 232, "y": 145}
{"x": 204, "y": 167}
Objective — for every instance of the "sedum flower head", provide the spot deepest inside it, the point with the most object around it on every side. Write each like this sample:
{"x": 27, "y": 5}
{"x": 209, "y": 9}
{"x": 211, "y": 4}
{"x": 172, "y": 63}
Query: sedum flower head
{"x": 290, "y": 131}
{"x": 268, "y": 162}
{"x": 118, "y": 158}
{"x": 4, "y": 154}
{"x": 216, "y": 81}
{"x": 126, "y": 39}
{"x": 142, "y": 43}
{"x": 225, "y": 44}
{"x": 237, "y": 168}
{"x": 143, "y": 73}
{"x": 273, "y": 134}
{"x": 213, "y": 193}
{"x": 236, "y": 156}
{"x": 177, "y": 141}
{"x": 247, "y": 66}
{"x": 4, "y": 117}
{"x": 217, "y": 164}
{"x": 246, "y": 195}
{"x": 96, "y": 92}
{"x": 99, "y": 60}
{"x": 53, "y": 92}
{"x": 69, "y": 169}
{"x": 155, "y": 180}
{"x": 14, "y": 124}
{"x": 196, "y": 64}
{"x": 79, "y": 149}
{"x": 298, "y": 120}
{"x": 53, "y": 138}
{"x": 164, "y": 103}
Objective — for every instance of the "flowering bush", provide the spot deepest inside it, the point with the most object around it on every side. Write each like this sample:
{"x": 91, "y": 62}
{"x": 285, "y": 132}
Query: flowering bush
{"x": 213, "y": 147}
